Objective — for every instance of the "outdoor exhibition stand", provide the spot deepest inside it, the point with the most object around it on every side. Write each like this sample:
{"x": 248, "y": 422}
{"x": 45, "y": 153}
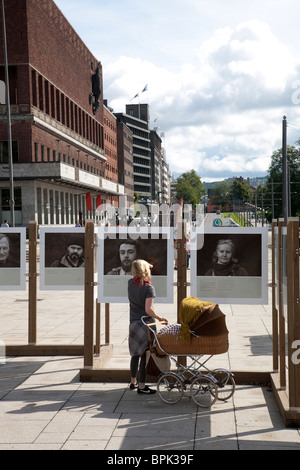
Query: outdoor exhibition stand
{"x": 285, "y": 376}
{"x": 92, "y": 370}
{"x": 32, "y": 348}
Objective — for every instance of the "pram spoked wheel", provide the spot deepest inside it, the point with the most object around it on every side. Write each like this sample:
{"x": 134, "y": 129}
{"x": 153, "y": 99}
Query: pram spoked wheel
{"x": 225, "y": 383}
{"x": 204, "y": 391}
{"x": 170, "y": 388}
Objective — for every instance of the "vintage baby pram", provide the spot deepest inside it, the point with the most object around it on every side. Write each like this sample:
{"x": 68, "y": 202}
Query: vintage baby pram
{"x": 203, "y": 334}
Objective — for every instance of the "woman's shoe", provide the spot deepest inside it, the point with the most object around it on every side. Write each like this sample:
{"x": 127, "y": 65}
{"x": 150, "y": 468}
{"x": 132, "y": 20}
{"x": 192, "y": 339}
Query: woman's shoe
{"x": 146, "y": 390}
{"x": 133, "y": 386}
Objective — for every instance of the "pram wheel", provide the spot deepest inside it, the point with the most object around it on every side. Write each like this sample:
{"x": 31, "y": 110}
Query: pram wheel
{"x": 204, "y": 391}
{"x": 225, "y": 383}
{"x": 170, "y": 388}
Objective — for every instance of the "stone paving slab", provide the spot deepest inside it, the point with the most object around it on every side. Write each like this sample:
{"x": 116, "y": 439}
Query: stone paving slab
{"x": 43, "y": 404}
{"x": 70, "y": 415}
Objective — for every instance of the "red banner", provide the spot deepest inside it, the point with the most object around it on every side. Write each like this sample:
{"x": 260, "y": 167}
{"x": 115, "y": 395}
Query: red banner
{"x": 99, "y": 201}
{"x": 89, "y": 202}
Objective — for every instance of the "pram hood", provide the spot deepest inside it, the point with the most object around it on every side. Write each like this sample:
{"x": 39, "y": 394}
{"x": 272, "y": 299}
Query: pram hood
{"x": 203, "y": 318}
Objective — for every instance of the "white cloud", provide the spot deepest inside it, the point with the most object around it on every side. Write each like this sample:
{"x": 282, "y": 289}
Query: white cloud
{"x": 218, "y": 82}
{"x": 261, "y": 56}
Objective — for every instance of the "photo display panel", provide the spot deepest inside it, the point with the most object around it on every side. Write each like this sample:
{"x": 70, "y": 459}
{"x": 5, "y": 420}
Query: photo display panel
{"x": 230, "y": 265}
{"x": 62, "y": 258}
{"x": 12, "y": 258}
{"x": 119, "y": 246}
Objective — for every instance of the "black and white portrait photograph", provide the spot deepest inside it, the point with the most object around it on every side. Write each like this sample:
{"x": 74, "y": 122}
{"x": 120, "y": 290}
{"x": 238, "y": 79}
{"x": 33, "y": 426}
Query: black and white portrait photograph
{"x": 231, "y": 265}
{"x": 10, "y": 250}
{"x": 232, "y": 255}
{"x": 119, "y": 254}
{"x": 12, "y": 258}
{"x": 64, "y": 250}
{"x": 62, "y": 258}
{"x": 116, "y": 254}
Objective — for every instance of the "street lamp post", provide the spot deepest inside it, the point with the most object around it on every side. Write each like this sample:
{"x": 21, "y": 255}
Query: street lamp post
{"x": 9, "y": 138}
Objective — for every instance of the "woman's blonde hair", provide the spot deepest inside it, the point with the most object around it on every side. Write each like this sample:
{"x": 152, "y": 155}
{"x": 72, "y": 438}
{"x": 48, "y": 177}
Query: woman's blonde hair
{"x": 141, "y": 269}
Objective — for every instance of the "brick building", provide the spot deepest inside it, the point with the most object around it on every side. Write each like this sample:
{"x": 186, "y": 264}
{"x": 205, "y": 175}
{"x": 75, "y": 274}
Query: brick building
{"x": 111, "y": 153}
{"x": 57, "y": 116}
{"x": 125, "y": 159}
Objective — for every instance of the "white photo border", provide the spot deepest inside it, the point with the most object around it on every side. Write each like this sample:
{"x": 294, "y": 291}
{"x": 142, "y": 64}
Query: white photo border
{"x": 260, "y": 281}
{"x": 119, "y": 283}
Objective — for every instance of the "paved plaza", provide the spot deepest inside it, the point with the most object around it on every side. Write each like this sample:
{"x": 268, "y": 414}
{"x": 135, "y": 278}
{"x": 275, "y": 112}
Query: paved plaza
{"x": 44, "y": 405}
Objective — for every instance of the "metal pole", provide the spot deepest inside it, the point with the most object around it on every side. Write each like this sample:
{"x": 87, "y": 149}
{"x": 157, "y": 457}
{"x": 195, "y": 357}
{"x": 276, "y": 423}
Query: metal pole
{"x": 255, "y": 207}
{"x": 262, "y": 207}
{"x": 289, "y": 193}
{"x": 9, "y": 138}
{"x": 272, "y": 193}
{"x": 284, "y": 173}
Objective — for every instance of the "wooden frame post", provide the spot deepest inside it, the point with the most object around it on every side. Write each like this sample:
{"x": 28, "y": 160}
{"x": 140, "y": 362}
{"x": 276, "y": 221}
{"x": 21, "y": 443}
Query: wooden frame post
{"x": 98, "y": 328}
{"x": 181, "y": 274}
{"x": 32, "y": 288}
{"x": 107, "y": 323}
{"x": 282, "y": 363}
{"x": 89, "y": 245}
{"x": 181, "y": 269}
{"x": 293, "y": 295}
{"x": 274, "y": 307}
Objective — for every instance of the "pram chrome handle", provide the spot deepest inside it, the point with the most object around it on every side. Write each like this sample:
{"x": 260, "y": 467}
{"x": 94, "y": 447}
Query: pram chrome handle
{"x": 163, "y": 322}
{"x": 157, "y": 323}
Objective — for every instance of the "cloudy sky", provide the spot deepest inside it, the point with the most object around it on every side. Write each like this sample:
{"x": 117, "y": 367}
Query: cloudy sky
{"x": 221, "y": 74}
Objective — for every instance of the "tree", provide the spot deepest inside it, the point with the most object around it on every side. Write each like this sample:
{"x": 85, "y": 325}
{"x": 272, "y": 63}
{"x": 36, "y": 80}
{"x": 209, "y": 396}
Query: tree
{"x": 275, "y": 181}
{"x": 190, "y": 187}
{"x": 221, "y": 193}
{"x": 240, "y": 190}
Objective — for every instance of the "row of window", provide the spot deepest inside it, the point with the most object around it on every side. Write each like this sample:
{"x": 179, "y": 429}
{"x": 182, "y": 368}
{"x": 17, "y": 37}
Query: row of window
{"x": 46, "y": 154}
{"x": 141, "y": 161}
{"x": 49, "y": 99}
{"x": 110, "y": 139}
{"x": 141, "y": 169}
{"x": 5, "y": 198}
{"x": 4, "y": 152}
{"x": 142, "y": 179}
{"x": 109, "y": 124}
{"x": 142, "y": 189}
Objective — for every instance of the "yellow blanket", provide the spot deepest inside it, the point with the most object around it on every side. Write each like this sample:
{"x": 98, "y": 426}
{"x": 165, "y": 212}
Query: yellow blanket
{"x": 190, "y": 310}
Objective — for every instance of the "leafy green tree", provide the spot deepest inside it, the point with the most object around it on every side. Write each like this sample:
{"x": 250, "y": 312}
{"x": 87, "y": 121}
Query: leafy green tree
{"x": 221, "y": 193}
{"x": 190, "y": 187}
{"x": 240, "y": 190}
{"x": 275, "y": 182}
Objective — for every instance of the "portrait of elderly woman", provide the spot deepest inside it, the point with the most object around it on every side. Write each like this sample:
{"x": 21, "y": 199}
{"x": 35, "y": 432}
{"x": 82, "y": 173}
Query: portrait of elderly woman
{"x": 9, "y": 250}
{"x": 224, "y": 262}
{"x": 230, "y": 255}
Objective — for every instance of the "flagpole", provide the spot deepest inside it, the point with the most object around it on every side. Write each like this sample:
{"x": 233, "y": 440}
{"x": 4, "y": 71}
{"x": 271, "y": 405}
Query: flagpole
{"x": 9, "y": 137}
{"x": 146, "y": 89}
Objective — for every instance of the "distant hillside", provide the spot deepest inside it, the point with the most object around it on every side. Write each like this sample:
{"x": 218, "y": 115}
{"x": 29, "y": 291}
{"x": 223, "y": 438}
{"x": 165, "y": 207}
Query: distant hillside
{"x": 256, "y": 181}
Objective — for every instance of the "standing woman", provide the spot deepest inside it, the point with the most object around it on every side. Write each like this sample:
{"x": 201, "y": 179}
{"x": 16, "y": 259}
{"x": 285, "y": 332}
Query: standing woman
{"x": 141, "y": 296}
